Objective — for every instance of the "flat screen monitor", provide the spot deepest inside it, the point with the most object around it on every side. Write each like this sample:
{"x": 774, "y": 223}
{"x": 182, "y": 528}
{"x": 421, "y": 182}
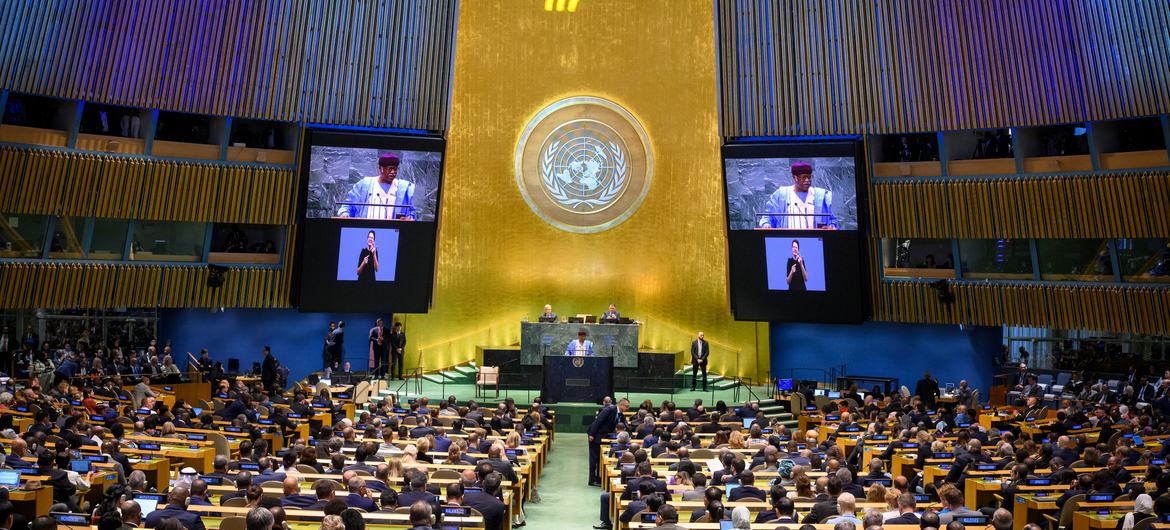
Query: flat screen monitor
{"x": 71, "y": 521}
{"x": 795, "y": 215}
{"x": 785, "y": 385}
{"x": 9, "y": 478}
{"x": 369, "y": 217}
{"x": 149, "y": 502}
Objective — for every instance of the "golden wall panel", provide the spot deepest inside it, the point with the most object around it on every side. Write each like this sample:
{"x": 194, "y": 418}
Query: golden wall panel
{"x": 799, "y": 67}
{"x": 665, "y": 265}
{"x": 1118, "y": 204}
{"x": 38, "y": 181}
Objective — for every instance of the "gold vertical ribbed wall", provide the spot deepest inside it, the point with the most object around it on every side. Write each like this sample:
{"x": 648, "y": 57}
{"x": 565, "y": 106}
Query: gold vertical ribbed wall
{"x": 1121, "y": 204}
{"x": 73, "y": 184}
{"x": 85, "y": 285}
{"x": 383, "y": 63}
{"x": 799, "y": 67}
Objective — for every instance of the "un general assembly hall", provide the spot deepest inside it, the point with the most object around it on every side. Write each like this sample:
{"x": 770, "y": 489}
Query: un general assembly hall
{"x": 585, "y": 264}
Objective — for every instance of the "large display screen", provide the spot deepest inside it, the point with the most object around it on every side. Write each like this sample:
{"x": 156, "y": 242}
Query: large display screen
{"x": 794, "y": 217}
{"x": 369, "y": 221}
{"x": 791, "y": 193}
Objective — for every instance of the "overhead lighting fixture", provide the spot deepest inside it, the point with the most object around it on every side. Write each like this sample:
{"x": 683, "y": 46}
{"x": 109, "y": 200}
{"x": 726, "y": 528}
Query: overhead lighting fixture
{"x": 561, "y": 5}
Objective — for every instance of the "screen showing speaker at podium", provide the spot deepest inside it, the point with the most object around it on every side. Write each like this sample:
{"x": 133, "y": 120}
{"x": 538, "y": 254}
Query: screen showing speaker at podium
{"x": 791, "y": 193}
{"x": 369, "y": 220}
{"x": 795, "y": 212}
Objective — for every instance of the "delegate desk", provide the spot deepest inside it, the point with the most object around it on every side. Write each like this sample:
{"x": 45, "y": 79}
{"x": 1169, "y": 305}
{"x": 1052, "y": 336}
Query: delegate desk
{"x": 297, "y": 517}
{"x": 581, "y": 379}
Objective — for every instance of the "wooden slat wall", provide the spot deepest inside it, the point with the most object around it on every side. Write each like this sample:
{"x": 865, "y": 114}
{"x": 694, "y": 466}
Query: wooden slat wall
{"x": 802, "y": 67}
{"x": 1122, "y": 309}
{"x": 382, "y": 63}
{"x": 59, "y": 286}
{"x": 53, "y": 182}
{"x": 1123, "y": 204}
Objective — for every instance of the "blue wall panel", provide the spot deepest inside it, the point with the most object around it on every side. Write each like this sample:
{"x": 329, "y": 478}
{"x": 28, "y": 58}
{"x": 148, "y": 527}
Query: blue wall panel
{"x": 890, "y": 350}
{"x": 297, "y": 339}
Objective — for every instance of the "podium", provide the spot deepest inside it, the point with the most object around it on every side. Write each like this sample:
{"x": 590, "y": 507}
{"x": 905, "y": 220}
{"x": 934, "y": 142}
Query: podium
{"x": 582, "y": 379}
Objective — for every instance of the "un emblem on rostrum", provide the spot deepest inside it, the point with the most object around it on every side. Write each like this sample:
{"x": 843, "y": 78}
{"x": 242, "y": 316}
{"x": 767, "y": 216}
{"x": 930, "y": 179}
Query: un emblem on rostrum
{"x": 583, "y": 164}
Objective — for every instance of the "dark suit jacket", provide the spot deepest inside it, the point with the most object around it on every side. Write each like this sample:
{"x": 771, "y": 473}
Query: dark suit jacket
{"x": 696, "y": 358}
{"x": 503, "y": 467}
{"x": 747, "y": 491}
{"x": 385, "y": 346}
{"x": 62, "y": 488}
{"x": 491, "y": 508}
{"x": 268, "y": 370}
{"x": 605, "y": 422}
{"x": 226, "y": 496}
{"x": 853, "y": 489}
{"x": 355, "y": 500}
{"x": 190, "y": 521}
{"x": 398, "y": 340}
{"x": 906, "y": 518}
{"x": 411, "y": 497}
{"x": 15, "y": 461}
{"x": 769, "y": 516}
{"x": 298, "y": 500}
{"x": 927, "y": 389}
{"x": 820, "y": 511}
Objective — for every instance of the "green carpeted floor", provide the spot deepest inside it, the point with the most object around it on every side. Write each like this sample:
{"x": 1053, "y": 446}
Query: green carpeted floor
{"x": 566, "y": 502}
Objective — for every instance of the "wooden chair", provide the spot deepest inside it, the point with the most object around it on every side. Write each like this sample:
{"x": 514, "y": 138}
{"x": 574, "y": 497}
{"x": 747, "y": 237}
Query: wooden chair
{"x": 305, "y": 468}
{"x": 702, "y": 454}
{"x": 487, "y": 376}
{"x": 1066, "y": 513}
{"x": 234, "y": 522}
{"x": 236, "y": 502}
{"x": 222, "y": 447}
{"x": 1145, "y": 524}
{"x": 361, "y": 393}
{"x": 273, "y": 484}
{"x": 445, "y": 474}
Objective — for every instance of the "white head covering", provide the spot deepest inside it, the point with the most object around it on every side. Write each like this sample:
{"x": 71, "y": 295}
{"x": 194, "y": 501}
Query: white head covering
{"x": 1142, "y": 504}
{"x": 741, "y": 518}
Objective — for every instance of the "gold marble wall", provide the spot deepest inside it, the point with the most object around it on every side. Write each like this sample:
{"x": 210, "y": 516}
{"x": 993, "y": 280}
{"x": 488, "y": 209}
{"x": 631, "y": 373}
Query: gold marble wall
{"x": 665, "y": 265}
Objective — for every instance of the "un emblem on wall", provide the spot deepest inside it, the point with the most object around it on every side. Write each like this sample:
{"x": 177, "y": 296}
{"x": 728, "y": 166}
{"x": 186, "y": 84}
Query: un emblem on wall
{"x": 583, "y": 164}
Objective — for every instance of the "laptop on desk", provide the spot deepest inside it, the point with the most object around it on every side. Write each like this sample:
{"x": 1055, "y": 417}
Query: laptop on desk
{"x": 9, "y": 478}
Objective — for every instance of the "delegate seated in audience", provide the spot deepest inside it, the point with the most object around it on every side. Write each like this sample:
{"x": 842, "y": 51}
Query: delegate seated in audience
{"x": 175, "y": 509}
{"x": 747, "y": 488}
{"x": 782, "y": 509}
{"x": 488, "y": 503}
{"x": 293, "y": 498}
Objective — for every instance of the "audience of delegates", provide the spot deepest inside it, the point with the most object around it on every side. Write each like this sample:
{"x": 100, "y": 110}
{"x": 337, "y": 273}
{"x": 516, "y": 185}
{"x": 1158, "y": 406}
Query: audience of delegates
{"x": 98, "y": 400}
{"x": 102, "y": 401}
{"x": 928, "y": 425}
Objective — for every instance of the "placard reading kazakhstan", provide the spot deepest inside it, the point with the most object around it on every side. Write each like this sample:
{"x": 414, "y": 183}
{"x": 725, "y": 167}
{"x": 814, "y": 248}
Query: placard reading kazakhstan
{"x": 583, "y": 164}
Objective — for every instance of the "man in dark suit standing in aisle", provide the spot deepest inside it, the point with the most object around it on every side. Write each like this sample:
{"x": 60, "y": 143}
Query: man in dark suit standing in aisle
{"x": 927, "y": 390}
{"x": 379, "y": 348}
{"x": 336, "y": 346}
{"x": 268, "y": 371}
{"x": 397, "y": 349}
{"x": 605, "y": 423}
{"x": 700, "y": 352}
